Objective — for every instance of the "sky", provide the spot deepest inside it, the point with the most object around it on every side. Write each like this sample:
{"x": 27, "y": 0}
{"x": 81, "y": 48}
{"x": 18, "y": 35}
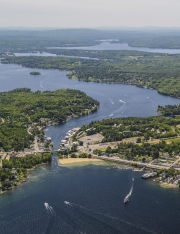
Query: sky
{"x": 89, "y": 13}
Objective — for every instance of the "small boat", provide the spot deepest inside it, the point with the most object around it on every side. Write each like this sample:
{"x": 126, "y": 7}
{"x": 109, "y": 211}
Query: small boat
{"x": 126, "y": 199}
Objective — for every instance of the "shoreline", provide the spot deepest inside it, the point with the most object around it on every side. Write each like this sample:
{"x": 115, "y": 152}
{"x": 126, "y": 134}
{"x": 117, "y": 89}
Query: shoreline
{"x": 25, "y": 178}
{"x": 143, "y": 166}
{"x": 95, "y": 81}
{"x": 167, "y": 186}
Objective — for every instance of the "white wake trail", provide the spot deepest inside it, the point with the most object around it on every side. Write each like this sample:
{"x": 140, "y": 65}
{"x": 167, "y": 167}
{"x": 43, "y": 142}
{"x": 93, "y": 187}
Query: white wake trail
{"x": 49, "y": 208}
{"x": 122, "y": 101}
{"x": 150, "y": 99}
{"x": 68, "y": 203}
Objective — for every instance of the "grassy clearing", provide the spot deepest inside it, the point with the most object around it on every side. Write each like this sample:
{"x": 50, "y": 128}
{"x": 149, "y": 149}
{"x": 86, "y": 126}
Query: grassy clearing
{"x": 176, "y": 140}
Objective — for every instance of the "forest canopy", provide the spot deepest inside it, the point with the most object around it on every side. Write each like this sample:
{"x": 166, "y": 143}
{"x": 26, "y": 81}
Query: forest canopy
{"x": 21, "y": 108}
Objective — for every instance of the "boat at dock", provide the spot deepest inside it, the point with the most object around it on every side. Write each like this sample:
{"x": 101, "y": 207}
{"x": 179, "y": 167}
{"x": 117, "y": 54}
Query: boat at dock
{"x": 148, "y": 175}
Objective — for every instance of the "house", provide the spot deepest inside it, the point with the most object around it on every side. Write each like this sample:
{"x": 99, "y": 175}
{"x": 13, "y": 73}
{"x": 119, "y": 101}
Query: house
{"x": 136, "y": 133}
{"x": 126, "y": 133}
{"x": 46, "y": 138}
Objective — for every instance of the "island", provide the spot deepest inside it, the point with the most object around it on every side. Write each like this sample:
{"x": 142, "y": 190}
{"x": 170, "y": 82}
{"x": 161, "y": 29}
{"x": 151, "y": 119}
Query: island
{"x": 23, "y": 116}
{"x": 35, "y": 73}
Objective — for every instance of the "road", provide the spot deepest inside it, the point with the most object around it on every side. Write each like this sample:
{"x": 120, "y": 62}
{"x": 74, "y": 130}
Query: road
{"x": 36, "y": 147}
{"x": 141, "y": 164}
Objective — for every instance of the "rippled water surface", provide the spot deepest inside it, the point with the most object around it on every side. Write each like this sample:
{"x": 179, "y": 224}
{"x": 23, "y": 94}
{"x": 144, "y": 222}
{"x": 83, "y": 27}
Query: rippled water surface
{"x": 95, "y": 195}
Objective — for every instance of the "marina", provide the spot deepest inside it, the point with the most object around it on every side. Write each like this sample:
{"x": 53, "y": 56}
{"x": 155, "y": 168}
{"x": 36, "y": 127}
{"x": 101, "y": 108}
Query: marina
{"x": 64, "y": 143}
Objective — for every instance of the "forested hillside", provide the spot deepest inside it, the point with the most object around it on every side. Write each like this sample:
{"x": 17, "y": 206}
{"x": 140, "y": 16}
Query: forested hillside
{"x": 22, "y": 108}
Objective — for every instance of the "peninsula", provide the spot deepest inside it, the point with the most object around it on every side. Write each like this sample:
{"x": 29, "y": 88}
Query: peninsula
{"x": 23, "y": 115}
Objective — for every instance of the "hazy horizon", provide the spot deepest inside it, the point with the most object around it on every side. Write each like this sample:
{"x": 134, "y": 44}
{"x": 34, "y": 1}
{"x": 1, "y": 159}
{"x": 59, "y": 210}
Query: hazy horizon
{"x": 90, "y": 14}
{"x": 148, "y": 28}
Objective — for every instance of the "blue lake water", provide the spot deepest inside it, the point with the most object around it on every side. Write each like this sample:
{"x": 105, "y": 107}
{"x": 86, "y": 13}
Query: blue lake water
{"x": 95, "y": 192}
{"x": 44, "y": 54}
{"x": 120, "y": 46}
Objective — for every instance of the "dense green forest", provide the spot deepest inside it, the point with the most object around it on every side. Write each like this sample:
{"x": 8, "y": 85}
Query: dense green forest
{"x": 22, "y": 108}
{"x": 27, "y": 161}
{"x": 116, "y": 55}
{"x": 160, "y": 72}
{"x": 169, "y": 110}
{"x": 14, "y": 170}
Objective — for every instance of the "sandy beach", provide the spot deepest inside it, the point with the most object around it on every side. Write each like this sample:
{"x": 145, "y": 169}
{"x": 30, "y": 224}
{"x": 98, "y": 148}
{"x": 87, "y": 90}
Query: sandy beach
{"x": 78, "y": 160}
{"x": 166, "y": 185}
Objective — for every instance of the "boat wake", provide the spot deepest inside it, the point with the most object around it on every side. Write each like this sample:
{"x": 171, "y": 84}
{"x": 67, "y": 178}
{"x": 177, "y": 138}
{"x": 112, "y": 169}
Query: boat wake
{"x": 41, "y": 83}
{"x": 49, "y": 208}
{"x": 127, "y": 198}
{"x": 68, "y": 203}
{"x": 150, "y": 100}
{"x": 120, "y": 108}
{"x": 107, "y": 216}
{"x": 111, "y": 101}
{"x": 52, "y": 218}
{"x": 122, "y": 101}
{"x": 89, "y": 210}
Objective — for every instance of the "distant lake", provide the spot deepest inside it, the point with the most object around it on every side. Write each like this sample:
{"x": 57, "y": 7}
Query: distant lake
{"x": 118, "y": 46}
{"x": 45, "y": 54}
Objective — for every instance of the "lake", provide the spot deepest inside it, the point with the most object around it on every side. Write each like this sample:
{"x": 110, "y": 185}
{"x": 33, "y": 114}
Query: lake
{"x": 94, "y": 192}
{"x": 120, "y": 46}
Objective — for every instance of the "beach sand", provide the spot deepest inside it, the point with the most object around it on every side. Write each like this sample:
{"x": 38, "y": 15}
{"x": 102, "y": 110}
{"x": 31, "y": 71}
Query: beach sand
{"x": 166, "y": 185}
{"x": 78, "y": 160}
